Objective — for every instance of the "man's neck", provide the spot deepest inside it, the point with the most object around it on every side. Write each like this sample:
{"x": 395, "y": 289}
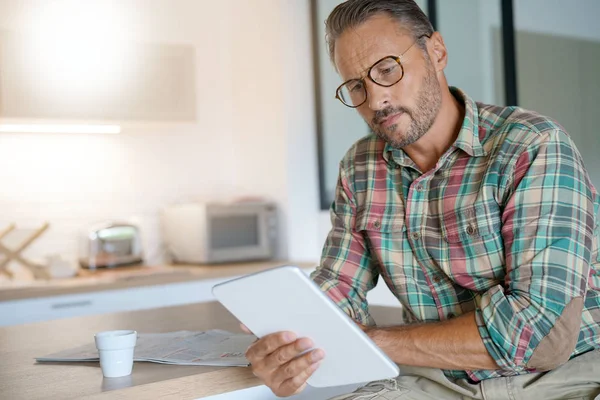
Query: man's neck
{"x": 427, "y": 151}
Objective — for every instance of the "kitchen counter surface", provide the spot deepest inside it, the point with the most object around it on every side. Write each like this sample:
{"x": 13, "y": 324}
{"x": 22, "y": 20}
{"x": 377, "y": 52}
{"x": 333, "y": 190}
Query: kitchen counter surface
{"x": 128, "y": 277}
{"x": 21, "y": 377}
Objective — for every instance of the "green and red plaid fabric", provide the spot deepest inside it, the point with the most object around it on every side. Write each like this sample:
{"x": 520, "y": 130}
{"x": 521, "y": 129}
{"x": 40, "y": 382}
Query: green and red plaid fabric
{"x": 505, "y": 224}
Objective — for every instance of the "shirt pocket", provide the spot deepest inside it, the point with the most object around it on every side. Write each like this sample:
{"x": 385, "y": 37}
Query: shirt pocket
{"x": 474, "y": 256}
{"x": 470, "y": 224}
{"x": 376, "y": 220}
{"x": 384, "y": 231}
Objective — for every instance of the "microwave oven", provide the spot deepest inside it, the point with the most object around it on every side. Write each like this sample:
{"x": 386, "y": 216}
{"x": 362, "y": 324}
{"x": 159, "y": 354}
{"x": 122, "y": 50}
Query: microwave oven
{"x": 207, "y": 233}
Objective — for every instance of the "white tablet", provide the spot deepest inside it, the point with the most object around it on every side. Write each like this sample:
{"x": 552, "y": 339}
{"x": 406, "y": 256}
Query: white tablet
{"x": 285, "y": 299}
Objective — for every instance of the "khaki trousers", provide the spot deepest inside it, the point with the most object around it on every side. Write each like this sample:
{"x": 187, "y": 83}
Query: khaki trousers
{"x": 579, "y": 378}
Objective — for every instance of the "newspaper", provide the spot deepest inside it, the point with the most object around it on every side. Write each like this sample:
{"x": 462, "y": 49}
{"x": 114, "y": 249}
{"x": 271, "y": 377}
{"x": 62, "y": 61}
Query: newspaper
{"x": 213, "y": 348}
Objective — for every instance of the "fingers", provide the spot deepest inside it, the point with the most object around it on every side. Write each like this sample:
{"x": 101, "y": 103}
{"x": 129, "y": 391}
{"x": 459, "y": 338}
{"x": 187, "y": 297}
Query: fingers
{"x": 286, "y": 353}
{"x": 297, "y": 366}
{"x": 283, "y": 362}
{"x": 297, "y": 383}
{"x": 268, "y": 344}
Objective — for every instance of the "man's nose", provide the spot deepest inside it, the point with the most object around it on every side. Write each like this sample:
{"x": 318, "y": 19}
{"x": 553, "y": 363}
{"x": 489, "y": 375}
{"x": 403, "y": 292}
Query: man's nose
{"x": 378, "y": 96}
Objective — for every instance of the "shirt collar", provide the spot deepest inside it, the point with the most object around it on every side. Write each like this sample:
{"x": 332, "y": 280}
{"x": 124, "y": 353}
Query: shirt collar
{"x": 468, "y": 137}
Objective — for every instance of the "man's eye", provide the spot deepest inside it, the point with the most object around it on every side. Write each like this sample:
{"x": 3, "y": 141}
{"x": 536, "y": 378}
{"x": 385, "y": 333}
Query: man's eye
{"x": 388, "y": 70}
{"x": 356, "y": 87}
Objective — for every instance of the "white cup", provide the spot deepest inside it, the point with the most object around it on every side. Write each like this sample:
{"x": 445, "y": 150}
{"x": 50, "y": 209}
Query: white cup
{"x": 115, "y": 349}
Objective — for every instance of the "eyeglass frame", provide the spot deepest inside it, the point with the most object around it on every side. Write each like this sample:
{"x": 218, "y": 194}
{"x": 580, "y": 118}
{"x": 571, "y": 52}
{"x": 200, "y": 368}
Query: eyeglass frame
{"x": 368, "y": 74}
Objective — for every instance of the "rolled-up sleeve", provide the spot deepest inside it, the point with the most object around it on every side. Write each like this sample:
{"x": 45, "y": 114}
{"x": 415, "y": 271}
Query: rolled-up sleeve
{"x": 532, "y": 321}
{"x": 346, "y": 271}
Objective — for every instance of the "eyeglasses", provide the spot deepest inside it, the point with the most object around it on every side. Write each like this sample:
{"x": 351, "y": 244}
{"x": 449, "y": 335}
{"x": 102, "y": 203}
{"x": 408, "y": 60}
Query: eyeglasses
{"x": 386, "y": 72}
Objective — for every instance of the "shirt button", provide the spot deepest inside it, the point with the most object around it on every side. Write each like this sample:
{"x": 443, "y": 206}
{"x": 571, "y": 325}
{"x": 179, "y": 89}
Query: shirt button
{"x": 377, "y": 224}
{"x": 419, "y": 188}
{"x": 416, "y": 235}
{"x": 437, "y": 279}
{"x": 471, "y": 230}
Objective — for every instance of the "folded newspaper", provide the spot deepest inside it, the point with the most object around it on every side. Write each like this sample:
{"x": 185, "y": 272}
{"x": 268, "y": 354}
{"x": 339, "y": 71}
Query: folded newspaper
{"x": 213, "y": 348}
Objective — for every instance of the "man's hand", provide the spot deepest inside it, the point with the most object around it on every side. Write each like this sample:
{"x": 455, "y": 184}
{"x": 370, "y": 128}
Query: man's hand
{"x": 276, "y": 360}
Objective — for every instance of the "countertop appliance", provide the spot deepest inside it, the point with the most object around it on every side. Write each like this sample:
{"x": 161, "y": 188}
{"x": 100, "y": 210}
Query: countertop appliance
{"x": 207, "y": 233}
{"x": 111, "y": 244}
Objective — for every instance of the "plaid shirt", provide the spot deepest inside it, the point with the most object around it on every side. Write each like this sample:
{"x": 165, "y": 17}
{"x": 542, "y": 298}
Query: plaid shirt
{"x": 505, "y": 224}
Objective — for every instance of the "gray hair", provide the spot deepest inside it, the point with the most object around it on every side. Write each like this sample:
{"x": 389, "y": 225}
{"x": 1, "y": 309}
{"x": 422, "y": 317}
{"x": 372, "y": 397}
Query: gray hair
{"x": 352, "y": 13}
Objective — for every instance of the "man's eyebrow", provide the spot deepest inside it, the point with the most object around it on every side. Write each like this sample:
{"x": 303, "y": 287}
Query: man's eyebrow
{"x": 362, "y": 75}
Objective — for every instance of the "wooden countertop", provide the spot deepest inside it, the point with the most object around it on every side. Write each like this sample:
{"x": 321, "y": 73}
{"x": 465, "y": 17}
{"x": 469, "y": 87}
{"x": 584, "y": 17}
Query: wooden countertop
{"x": 22, "y": 378}
{"x": 127, "y": 277}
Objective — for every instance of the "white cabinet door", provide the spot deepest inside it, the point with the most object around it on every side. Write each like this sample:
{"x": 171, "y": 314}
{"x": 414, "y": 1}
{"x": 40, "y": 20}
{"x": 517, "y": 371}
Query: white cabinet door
{"x": 109, "y": 301}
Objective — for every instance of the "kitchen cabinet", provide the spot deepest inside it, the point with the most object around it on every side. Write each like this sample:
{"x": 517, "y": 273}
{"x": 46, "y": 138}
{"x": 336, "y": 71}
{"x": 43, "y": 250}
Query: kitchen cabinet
{"x": 109, "y": 301}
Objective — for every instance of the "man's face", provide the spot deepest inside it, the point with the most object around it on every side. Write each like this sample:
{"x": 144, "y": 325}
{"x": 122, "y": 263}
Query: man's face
{"x": 404, "y": 112}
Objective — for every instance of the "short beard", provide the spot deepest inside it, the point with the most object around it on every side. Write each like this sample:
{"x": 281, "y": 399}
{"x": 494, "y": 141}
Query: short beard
{"x": 429, "y": 100}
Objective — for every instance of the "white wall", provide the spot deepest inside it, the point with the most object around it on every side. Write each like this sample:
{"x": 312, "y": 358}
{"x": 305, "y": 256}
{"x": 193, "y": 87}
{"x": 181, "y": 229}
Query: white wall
{"x": 575, "y": 18}
{"x": 470, "y": 56}
{"x": 304, "y": 239}
{"x": 254, "y": 135}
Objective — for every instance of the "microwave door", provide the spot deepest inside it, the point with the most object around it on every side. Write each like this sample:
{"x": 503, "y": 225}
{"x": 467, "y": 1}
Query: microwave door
{"x": 238, "y": 236}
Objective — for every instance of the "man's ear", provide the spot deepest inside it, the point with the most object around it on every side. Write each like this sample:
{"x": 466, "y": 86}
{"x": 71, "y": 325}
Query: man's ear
{"x": 437, "y": 52}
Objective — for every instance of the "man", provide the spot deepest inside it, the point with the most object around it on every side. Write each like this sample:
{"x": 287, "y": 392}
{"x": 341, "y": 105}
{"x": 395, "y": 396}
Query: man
{"x": 481, "y": 220}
